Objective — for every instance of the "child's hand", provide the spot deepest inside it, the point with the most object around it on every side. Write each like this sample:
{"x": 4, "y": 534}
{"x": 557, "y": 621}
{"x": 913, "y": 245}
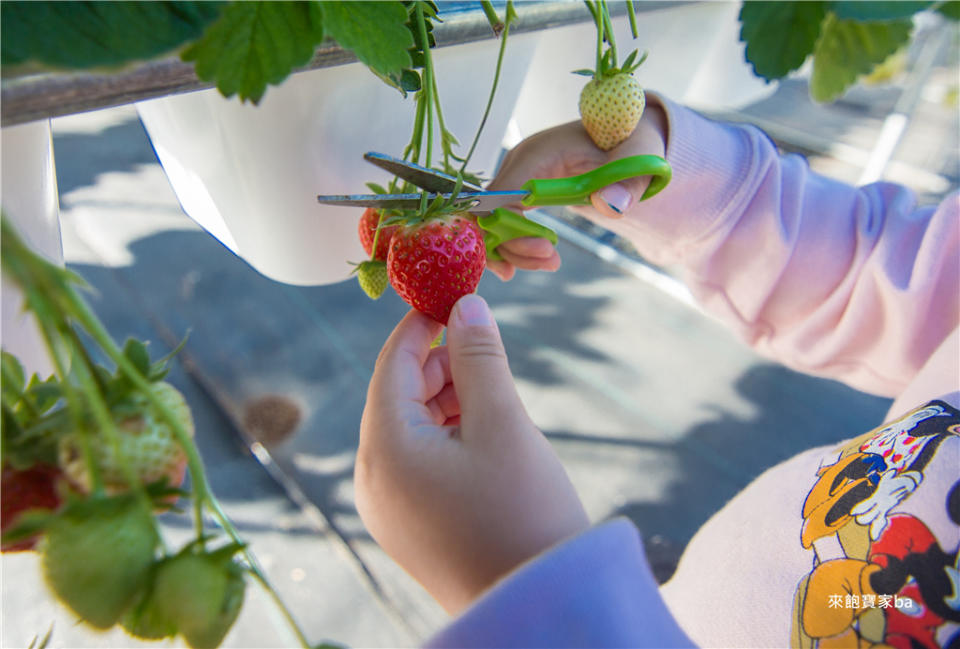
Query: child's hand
{"x": 453, "y": 480}
{"x": 567, "y": 150}
{"x": 528, "y": 253}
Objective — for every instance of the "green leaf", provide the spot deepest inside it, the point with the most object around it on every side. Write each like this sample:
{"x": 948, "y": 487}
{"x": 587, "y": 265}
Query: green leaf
{"x": 410, "y": 81}
{"x": 779, "y": 35}
{"x": 136, "y": 352}
{"x": 80, "y": 35}
{"x": 375, "y": 32}
{"x": 848, "y": 49}
{"x": 875, "y": 11}
{"x": 44, "y": 394}
{"x": 13, "y": 376}
{"x": 159, "y": 368}
{"x": 254, "y": 44}
{"x": 950, "y": 9}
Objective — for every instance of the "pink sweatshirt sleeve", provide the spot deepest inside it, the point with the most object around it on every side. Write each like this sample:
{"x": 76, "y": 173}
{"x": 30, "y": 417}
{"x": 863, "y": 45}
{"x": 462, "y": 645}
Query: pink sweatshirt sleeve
{"x": 855, "y": 284}
{"x": 593, "y": 590}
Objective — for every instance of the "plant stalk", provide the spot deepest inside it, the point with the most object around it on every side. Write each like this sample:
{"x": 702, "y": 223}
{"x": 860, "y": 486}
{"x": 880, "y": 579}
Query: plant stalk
{"x": 493, "y": 88}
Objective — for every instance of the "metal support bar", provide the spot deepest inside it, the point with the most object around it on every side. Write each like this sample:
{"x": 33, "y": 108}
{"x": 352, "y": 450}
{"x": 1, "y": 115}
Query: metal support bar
{"x": 30, "y": 98}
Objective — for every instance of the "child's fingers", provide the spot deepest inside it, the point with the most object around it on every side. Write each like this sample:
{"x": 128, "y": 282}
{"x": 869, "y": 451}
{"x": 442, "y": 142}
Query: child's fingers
{"x": 445, "y": 405}
{"x": 502, "y": 269}
{"x": 548, "y": 263}
{"x": 436, "y": 372}
{"x": 398, "y": 375}
{"x": 536, "y": 247}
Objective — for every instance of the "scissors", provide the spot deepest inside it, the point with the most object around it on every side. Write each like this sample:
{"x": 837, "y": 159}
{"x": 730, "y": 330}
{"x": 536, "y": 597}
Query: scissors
{"x": 498, "y": 223}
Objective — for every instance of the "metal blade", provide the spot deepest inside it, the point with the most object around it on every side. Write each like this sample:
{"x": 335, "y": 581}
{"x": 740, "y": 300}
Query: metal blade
{"x": 429, "y": 179}
{"x": 477, "y": 202}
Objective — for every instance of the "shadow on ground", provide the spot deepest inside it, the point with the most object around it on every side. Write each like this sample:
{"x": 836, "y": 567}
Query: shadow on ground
{"x": 81, "y": 157}
{"x": 782, "y": 426}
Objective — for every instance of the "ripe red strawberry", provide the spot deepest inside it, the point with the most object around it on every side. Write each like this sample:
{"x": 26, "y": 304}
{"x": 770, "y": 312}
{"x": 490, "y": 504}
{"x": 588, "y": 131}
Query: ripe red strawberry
{"x": 97, "y": 555}
{"x": 612, "y": 103}
{"x": 367, "y": 230}
{"x": 147, "y": 445}
{"x": 434, "y": 263}
{"x": 22, "y": 490}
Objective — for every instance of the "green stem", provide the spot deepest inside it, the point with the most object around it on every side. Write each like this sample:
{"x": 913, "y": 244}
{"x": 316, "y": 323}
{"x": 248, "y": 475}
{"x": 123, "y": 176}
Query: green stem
{"x": 632, "y": 13}
{"x": 376, "y": 235}
{"x": 33, "y": 274}
{"x": 48, "y": 331}
{"x": 38, "y": 281}
{"x": 427, "y": 82}
{"x": 608, "y": 28}
{"x": 598, "y": 22}
{"x": 102, "y": 337}
{"x": 444, "y": 133}
{"x": 492, "y": 16}
{"x": 288, "y": 616}
{"x": 493, "y": 88}
{"x": 202, "y": 495}
{"x": 9, "y": 378}
{"x": 416, "y": 138}
{"x": 101, "y": 413}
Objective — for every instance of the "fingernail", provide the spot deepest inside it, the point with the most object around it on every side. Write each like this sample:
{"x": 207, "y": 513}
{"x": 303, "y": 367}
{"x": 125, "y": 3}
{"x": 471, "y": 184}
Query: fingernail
{"x": 472, "y": 310}
{"x": 617, "y": 197}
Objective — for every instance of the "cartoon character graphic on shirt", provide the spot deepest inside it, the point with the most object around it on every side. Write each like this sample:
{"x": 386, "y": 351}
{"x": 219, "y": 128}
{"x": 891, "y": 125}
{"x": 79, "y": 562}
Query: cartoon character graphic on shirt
{"x": 880, "y": 577}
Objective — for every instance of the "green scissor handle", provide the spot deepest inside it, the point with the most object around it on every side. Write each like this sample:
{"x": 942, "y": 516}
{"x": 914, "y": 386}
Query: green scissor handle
{"x": 576, "y": 190}
{"x": 503, "y": 225}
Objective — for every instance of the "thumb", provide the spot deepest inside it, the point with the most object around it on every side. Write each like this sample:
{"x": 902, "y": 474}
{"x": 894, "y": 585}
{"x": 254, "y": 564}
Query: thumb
{"x": 614, "y": 200}
{"x": 479, "y": 369}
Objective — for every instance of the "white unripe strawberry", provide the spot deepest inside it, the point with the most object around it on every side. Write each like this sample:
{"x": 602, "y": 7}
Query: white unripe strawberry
{"x": 610, "y": 109}
{"x": 612, "y": 102}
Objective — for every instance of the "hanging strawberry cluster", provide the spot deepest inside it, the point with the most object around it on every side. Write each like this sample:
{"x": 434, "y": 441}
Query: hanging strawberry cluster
{"x": 435, "y": 254}
{"x": 91, "y": 455}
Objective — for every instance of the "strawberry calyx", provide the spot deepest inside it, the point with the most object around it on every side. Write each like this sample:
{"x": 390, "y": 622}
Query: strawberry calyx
{"x": 607, "y": 68}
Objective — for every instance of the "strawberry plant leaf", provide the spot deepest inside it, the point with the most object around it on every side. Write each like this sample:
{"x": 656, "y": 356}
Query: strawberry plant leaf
{"x": 779, "y": 35}
{"x": 80, "y": 35}
{"x": 43, "y": 395}
{"x": 847, "y": 49}
{"x": 873, "y": 11}
{"x": 410, "y": 81}
{"x": 137, "y": 353}
{"x": 375, "y": 32}
{"x": 950, "y": 9}
{"x": 254, "y": 44}
{"x": 13, "y": 376}
{"x": 158, "y": 369}
{"x": 30, "y": 523}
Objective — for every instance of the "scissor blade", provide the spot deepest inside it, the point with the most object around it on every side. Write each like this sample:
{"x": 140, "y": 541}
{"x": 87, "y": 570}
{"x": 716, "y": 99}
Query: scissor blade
{"x": 476, "y": 202}
{"x": 429, "y": 179}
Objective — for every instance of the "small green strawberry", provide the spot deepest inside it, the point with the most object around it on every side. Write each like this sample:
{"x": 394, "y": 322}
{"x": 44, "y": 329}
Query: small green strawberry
{"x": 200, "y": 594}
{"x": 372, "y": 276}
{"x": 147, "y": 444}
{"x": 612, "y": 103}
{"x": 97, "y": 554}
{"x": 143, "y": 619}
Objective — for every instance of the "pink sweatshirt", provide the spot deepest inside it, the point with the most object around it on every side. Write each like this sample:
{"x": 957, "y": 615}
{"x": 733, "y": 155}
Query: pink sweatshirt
{"x": 844, "y": 545}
